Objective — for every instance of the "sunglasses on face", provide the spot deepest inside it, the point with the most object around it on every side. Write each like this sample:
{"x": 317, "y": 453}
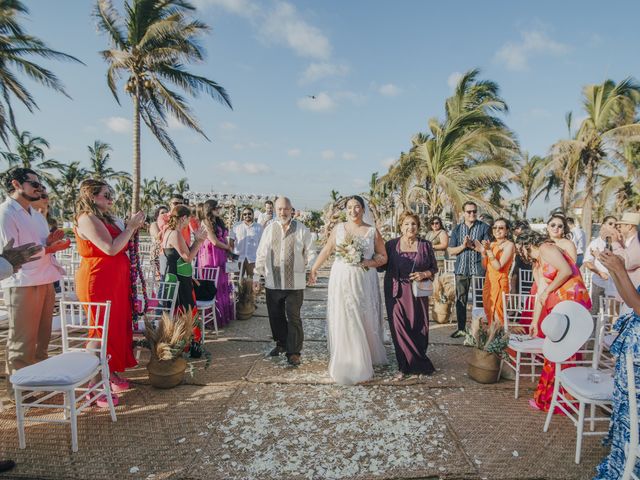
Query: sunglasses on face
{"x": 108, "y": 196}
{"x": 34, "y": 184}
{"x": 556, "y": 225}
{"x": 247, "y": 214}
{"x": 499, "y": 228}
{"x": 436, "y": 223}
{"x": 470, "y": 212}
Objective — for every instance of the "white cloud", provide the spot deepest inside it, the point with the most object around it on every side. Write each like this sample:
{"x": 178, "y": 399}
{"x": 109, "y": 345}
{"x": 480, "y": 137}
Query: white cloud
{"x": 328, "y": 154}
{"x": 389, "y": 90}
{"x": 244, "y": 8}
{"x": 387, "y": 162}
{"x": 294, "y": 152}
{"x": 118, "y": 124}
{"x": 515, "y": 55}
{"x": 248, "y": 168}
{"x": 284, "y": 26}
{"x": 349, "y": 156}
{"x": 317, "y": 71}
{"x": 321, "y": 103}
{"x": 228, "y": 126}
{"x": 453, "y": 79}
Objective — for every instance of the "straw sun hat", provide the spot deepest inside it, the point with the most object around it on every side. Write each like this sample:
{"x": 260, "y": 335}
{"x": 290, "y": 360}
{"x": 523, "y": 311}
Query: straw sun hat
{"x": 566, "y": 328}
{"x": 629, "y": 218}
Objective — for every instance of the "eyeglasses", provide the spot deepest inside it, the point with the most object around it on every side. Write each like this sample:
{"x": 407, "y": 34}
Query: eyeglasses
{"x": 556, "y": 225}
{"x": 34, "y": 184}
{"x": 470, "y": 212}
{"x": 499, "y": 228}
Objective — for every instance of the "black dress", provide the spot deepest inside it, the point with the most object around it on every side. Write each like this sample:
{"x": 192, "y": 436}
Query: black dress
{"x": 185, "y": 284}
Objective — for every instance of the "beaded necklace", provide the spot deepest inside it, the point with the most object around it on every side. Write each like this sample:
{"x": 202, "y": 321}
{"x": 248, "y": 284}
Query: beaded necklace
{"x": 134, "y": 275}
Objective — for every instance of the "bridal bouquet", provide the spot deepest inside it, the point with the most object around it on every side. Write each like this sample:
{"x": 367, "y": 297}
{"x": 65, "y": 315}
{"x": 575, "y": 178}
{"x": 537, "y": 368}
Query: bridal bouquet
{"x": 351, "y": 250}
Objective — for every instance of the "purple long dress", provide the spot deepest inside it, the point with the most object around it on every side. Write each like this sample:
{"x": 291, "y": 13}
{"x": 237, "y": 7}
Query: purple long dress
{"x": 408, "y": 316}
{"x": 211, "y": 256}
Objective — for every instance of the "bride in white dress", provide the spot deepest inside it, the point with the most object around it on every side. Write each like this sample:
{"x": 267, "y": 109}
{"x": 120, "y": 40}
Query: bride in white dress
{"x": 354, "y": 311}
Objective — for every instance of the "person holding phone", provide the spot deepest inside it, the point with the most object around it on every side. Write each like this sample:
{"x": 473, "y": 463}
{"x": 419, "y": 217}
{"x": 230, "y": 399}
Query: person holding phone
{"x": 601, "y": 283}
{"x": 468, "y": 260}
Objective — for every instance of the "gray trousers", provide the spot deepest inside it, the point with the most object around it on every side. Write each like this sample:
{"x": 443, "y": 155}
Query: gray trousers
{"x": 284, "y": 307}
{"x": 596, "y": 293}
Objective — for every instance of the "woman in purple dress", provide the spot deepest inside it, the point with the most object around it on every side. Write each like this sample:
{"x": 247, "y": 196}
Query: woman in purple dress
{"x": 410, "y": 259}
{"x": 213, "y": 253}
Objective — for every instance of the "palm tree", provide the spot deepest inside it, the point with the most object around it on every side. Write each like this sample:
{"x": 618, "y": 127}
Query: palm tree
{"x": 150, "y": 46}
{"x": 623, "y": 184}
{"x": 71, "y": 176}
{"x": 99, "y": 157}
{"x": 529, "y": 178}
{"x": 124, "y": 191}
{"x": 610, "y": 109}
{"x": 15, "y": 47}
{"x": 30, "y": 153}
{"x": 181, "y": 186}
{"x": 461, "y": 155}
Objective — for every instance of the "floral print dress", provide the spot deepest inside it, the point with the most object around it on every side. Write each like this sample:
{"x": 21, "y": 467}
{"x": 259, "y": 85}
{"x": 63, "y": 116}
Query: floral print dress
{"x": 627, "y": 343}
{"x": 575, "y": 290}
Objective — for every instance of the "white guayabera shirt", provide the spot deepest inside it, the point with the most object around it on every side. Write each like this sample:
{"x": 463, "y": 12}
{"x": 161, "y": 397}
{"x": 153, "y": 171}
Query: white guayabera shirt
{"x": 283, "y": 257}
{"x": 246, "y": 239}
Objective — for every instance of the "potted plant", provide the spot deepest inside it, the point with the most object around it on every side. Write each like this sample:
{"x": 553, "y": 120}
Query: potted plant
{"x": 489, "y": 348}
{"x": 167, "y": 339}
{"x": 444, "y": 294}
{"x": 245, "y": 301}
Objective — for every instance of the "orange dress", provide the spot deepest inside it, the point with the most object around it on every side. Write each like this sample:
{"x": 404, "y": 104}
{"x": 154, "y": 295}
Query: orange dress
{"x": 495, "y": 283}
{"x": 573, "y": 289}
{"x": 102, "y": 277}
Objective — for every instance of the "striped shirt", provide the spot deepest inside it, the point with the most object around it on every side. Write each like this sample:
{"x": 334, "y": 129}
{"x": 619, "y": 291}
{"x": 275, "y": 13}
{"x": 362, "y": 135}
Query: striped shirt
{"x": 469, "y": 262}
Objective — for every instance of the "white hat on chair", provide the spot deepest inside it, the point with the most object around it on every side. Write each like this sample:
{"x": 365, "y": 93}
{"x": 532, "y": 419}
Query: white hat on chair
{"x": 566, "y": 328}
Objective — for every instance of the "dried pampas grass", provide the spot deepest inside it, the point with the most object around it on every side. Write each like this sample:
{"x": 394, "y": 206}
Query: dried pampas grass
{"x": 168, "y": 336}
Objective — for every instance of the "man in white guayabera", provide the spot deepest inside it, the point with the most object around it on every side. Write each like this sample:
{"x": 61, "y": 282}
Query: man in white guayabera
{"x": 245, "y": 237}
{"x": 284, "y": 255}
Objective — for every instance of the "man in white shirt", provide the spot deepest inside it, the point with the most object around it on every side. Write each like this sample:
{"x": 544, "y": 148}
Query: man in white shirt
{"x": 266, "y": 217}
{"x": 601, "y": 283}
{"x": 11, "y": 259}
{"x": 28, "y": 293}
{"x": 284, "y": 255}
{"x": 245, "y": 237}
{"x": 579, "y": 239}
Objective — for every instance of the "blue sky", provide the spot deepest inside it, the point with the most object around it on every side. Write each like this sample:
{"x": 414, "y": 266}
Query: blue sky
{"x": 378, "y": 70}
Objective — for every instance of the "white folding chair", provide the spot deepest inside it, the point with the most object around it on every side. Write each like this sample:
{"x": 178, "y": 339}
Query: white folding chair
{"x": 207, "y": 308}
{"x": 633, "y": 450}
{"x": 576, "y": 385}
{"x": 525, "y": 281}
{"x": 477, "y": 309}
{"x": 449, "y": 265}
{"x": 162, "y": 300}
{"x": 83, "y": 357}
{"x": 524, "y": 351}
{"x": 608, "y": 314}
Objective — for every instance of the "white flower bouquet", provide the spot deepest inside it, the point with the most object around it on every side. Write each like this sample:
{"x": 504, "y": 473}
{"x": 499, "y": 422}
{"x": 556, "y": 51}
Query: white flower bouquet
{"x": 351, "y": 250}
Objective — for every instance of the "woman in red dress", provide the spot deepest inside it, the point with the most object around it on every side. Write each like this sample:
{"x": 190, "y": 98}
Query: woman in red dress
{"x": 104, "y": 272}
{"x": 558, "y": 279}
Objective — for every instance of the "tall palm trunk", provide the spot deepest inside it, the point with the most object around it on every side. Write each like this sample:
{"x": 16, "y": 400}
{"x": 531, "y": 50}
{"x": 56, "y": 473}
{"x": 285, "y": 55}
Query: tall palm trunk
{"x": 587, "y": 206}
{"x": 135, "y": 204}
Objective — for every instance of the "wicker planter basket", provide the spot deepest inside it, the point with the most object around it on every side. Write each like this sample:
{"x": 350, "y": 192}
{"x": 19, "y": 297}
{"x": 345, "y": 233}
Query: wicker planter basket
{"x": 166, "y": 373}
{"x": 442, "y": 312}
{"x": 483, "y": 367}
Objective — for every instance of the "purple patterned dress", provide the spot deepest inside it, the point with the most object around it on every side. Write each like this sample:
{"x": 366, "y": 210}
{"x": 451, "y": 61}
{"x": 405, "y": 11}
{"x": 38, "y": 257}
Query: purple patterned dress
{"x": 211, "y": 256}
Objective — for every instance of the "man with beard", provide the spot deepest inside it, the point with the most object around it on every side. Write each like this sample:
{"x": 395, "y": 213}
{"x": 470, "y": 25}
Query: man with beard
{"x": 28, "y": 293}
{"x": 284, "y": 254}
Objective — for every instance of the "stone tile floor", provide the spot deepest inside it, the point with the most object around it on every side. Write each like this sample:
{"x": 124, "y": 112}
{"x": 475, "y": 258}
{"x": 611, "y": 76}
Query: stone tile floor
{"x": 252, "y": 417}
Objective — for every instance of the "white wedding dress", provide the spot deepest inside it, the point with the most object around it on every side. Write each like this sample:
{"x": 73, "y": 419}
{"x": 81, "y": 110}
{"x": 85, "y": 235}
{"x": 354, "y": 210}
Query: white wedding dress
{"x": 354, "y": 318}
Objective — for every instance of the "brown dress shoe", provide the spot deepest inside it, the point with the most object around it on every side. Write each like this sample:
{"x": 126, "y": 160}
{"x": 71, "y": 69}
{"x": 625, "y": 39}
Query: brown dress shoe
{"x": 294, "y": 360}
